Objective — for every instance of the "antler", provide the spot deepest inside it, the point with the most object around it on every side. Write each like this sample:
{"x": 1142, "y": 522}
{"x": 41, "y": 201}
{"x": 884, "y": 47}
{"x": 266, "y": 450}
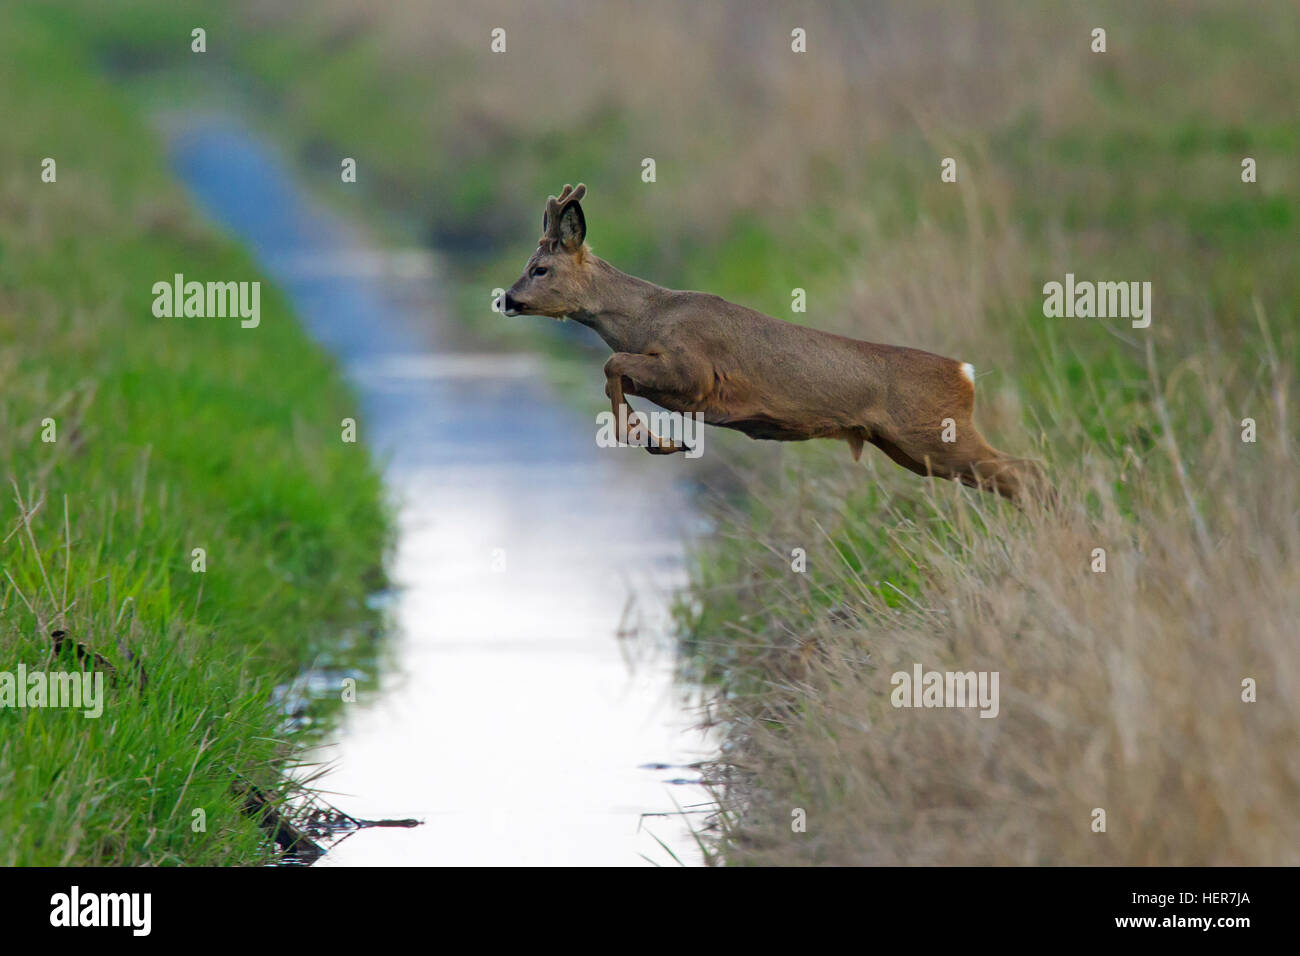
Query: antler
{"x": 555, "y": 205}
{"x": 569, "y": 194}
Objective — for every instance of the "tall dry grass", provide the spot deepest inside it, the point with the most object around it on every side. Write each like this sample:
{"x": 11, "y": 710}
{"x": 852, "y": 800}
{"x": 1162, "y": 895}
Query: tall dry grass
{"x": 713, "y": 92}
{"x": 1120, "y": 690}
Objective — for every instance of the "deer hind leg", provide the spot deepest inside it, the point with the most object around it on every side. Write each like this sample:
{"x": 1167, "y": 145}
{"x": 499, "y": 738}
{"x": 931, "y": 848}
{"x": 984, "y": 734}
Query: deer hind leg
{"x": 971, "y": 461}
{"x": 967, "y": 458}
{"x": 976, "y": 463}
{"x": 942, "y": 440}
{"x": 633, "y": 373}
{"x": 899, "y": 456}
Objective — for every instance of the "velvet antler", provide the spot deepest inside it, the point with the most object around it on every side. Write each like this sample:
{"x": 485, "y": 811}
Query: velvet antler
{"x": 555, "y": 205}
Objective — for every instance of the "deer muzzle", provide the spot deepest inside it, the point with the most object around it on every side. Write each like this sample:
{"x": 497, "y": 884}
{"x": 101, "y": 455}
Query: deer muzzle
{"x": 512, "y": 305}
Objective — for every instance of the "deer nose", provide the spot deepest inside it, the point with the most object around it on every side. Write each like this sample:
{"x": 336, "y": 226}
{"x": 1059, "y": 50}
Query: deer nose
{"x": 511, "y": 305}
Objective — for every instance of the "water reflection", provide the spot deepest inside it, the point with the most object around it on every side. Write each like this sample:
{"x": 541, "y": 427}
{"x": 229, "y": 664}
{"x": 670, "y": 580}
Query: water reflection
{"x": 532, "y": 717}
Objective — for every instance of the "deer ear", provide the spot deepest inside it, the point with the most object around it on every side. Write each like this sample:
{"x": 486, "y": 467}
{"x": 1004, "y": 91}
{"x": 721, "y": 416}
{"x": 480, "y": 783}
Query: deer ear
{"x": 572, "y": 227}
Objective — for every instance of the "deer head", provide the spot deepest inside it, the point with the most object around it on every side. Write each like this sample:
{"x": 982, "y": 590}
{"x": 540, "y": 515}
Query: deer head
{"x": 556, "y": 278}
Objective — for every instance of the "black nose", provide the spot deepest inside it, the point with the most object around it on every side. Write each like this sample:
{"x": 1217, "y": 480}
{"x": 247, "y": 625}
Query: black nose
{"x": 511, "y": 303}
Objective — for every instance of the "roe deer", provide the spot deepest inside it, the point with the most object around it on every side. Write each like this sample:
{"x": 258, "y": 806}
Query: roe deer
{"x": 691, "y": 352}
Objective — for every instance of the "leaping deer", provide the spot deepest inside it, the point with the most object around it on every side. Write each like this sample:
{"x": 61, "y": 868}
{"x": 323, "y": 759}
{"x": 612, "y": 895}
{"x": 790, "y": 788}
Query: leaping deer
{"x": 691, "y": 352}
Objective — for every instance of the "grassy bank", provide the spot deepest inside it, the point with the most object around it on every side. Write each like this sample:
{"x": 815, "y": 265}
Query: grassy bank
{"x": 128, "y": 441}
{"x": 1122, "y": 688}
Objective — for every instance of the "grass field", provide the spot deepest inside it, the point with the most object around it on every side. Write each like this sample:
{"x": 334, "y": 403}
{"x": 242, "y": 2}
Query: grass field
{"x": 821, "y": 171}
{"x": 128, "y": 441}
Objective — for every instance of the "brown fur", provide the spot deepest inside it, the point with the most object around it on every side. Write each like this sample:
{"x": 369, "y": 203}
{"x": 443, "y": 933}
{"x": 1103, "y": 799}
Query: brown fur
{"x": 693, "y": 352}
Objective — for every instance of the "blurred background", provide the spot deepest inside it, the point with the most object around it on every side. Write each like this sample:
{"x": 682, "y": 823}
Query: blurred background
{"x": 774, "y": 170}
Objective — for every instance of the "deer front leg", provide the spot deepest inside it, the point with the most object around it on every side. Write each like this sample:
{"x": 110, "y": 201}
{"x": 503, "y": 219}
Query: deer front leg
{"x": 634, "y": 373}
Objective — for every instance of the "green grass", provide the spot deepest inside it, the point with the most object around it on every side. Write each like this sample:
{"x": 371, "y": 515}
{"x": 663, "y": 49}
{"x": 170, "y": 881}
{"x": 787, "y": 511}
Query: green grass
{"x": 171, "y": 434}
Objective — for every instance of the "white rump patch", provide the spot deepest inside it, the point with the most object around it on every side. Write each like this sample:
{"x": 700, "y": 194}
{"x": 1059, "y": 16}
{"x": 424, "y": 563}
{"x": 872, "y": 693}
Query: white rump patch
{"x": 969, "y": 371}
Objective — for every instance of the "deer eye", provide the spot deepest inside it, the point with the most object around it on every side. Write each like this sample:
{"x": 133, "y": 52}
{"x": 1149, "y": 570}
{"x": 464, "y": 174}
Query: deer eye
{"x": 539, "y": 271}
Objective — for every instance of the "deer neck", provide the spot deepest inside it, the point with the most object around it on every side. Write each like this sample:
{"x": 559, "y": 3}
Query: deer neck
{"x": 618, "y": 307}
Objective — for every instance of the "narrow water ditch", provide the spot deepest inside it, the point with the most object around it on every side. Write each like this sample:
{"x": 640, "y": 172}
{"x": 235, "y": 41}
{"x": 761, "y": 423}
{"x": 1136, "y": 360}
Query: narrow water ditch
{"x": 529, "y": 715}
